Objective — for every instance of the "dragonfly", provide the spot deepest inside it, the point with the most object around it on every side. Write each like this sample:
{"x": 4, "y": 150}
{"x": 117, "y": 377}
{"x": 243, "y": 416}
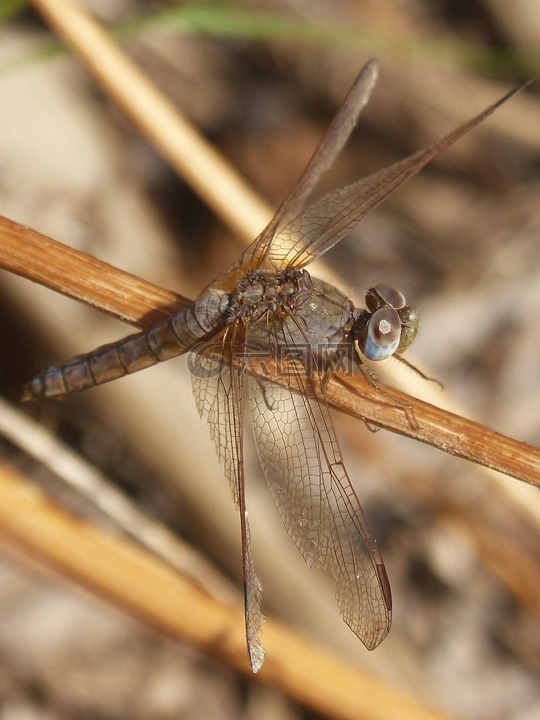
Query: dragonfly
{"x": 267, "y": 305}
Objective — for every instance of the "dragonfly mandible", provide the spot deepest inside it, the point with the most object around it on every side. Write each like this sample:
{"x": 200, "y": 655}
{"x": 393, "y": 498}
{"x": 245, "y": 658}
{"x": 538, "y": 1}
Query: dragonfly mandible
{"x": 268, "y": 305}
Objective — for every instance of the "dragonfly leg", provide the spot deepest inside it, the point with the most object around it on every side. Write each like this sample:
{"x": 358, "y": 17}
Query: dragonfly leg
{"x": 418, "y": 372}
{"x": 372, "y": 381}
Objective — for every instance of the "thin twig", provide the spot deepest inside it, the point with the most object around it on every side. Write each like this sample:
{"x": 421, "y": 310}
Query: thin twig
{"x": 82, "y": 277}
{"x": 406, "y": 415}
{"x": 135, "y": 580}
{"x": 85, "y": 479}
{"x": 434, "y": 426}
{"x": 114, "y": 292}
{"x": 158, "y": 119}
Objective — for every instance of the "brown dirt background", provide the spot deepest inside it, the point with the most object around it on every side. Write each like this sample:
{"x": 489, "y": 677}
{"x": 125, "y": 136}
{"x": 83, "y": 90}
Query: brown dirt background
{"x": 461, "y": 239}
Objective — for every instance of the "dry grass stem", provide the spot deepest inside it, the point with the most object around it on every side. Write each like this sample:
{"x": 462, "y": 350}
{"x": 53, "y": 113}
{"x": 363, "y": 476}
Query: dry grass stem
{"x": 38, "y": 258}
{"x": 156, "y": 117}
{"x": 462, "y": 551}
{"x": 85, "y": 479}
{"x": 110, "y": 290}
{"x": 137, "y": 582}
{"x": 116, "y": 293}
{"x": 444, "y": 430}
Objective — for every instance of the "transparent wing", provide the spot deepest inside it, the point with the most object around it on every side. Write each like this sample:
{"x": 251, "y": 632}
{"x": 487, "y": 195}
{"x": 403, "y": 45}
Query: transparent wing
{"x": 334, "y": 139}
{"x": 302, "y": 463}
{"x": 215, "y": 399}
{"x": 218, "y": 390}
{"x": 328, "y": 220}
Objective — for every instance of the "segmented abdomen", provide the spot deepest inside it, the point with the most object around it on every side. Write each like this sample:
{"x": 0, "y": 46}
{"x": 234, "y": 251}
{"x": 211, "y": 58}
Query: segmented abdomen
{"x": 168, "y": 339}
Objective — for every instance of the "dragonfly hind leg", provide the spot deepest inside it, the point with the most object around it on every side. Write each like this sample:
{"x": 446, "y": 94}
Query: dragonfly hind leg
{"x": 372, "y": 381}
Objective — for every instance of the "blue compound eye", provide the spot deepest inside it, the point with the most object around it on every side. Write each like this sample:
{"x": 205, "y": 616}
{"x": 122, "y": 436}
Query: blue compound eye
{"x": 382, "y": 335}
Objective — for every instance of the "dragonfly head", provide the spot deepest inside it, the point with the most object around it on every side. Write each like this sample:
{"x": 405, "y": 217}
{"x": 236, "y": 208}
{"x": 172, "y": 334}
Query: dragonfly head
{"x": 388, "y": 326}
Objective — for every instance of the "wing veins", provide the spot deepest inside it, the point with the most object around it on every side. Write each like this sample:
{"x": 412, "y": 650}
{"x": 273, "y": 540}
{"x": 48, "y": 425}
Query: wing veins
{"x": 331, "y": 144}
{"x": 219, "y": 398}
{"x": 372, "y": 190}
{"x": 316, "y": 500}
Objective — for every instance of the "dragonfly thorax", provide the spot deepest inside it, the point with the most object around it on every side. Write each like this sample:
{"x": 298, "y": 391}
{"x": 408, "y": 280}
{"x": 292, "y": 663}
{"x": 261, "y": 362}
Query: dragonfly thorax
{"x": 261, "y": 292}
{"x": 291, "y": 309}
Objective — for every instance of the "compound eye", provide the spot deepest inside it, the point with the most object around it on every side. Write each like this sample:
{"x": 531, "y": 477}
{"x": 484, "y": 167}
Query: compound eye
{"x": 382, "y": 296}
{"x": 382, "y": 334}
{"x": 392, "y": 297}
{"x": 410, "y": 322}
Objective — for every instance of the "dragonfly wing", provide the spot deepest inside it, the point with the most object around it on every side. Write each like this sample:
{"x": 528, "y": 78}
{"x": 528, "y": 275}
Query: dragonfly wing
{"x": 328, "y": 220}
{"x": 218, "y": 390}
{"x": 212, "y": 387}
{"x": 252, "y": 593}
{"x": 322, "y": 159}
{"x": 302, "y": 463}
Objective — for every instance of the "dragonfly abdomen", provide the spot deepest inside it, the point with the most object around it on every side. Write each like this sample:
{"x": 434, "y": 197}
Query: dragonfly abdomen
{"x": 168, "y": 339}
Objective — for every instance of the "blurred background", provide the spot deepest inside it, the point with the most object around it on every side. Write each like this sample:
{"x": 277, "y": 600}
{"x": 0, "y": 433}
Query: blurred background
{"x": 461, "y": 240}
